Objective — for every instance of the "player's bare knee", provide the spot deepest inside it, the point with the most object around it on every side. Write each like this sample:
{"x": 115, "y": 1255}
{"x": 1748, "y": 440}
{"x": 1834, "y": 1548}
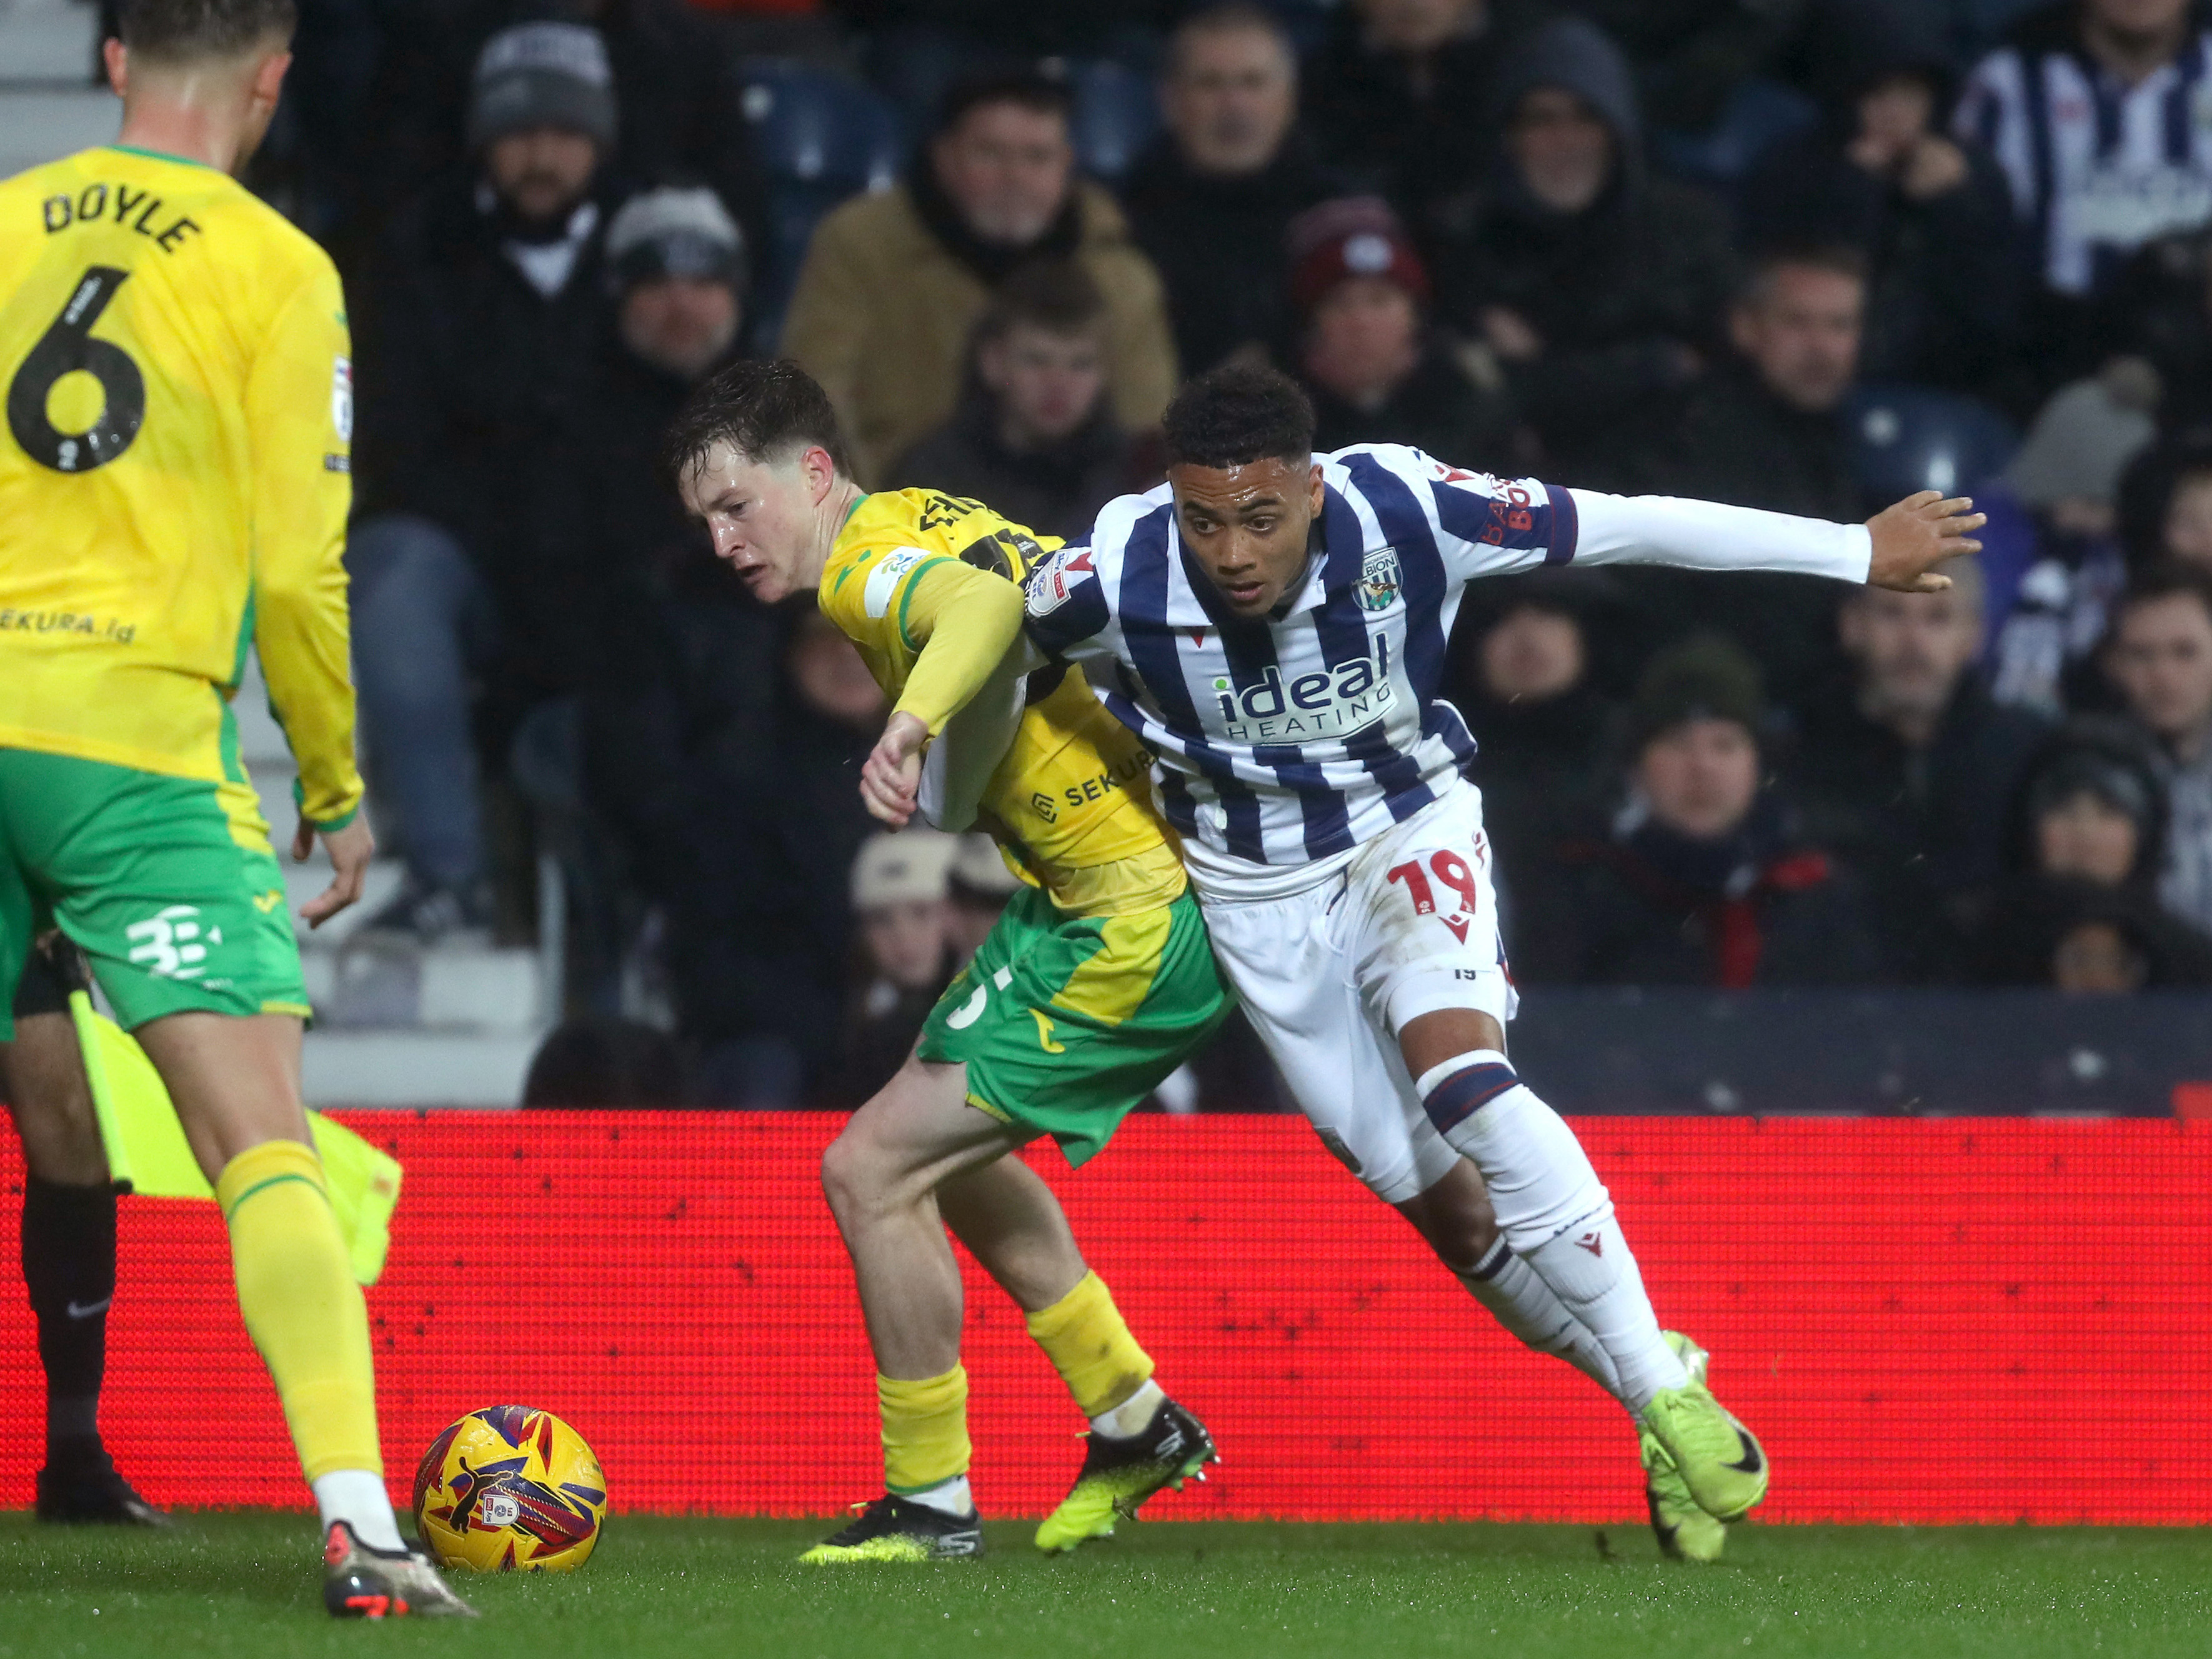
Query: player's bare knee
{"x": 863, "y": 1177}
{"x": 850, "y": 1177}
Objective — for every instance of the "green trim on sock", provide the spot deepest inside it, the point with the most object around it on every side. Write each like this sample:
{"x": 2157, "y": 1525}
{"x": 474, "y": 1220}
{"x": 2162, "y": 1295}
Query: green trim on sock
{"x": 271, "y": 1180}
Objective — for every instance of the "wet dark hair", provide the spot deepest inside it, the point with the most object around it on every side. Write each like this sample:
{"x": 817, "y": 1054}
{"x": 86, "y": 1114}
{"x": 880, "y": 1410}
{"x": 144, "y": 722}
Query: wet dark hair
{"x": 180, "y": 31}
{"x": 1238, "y": 414}
{"x": 764, "y": 410}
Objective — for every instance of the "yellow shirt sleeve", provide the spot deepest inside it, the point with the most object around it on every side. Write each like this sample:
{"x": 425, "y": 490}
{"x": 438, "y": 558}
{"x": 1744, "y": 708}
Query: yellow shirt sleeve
{"x": 962, "y": 622}
{"x": 298, "y": 420}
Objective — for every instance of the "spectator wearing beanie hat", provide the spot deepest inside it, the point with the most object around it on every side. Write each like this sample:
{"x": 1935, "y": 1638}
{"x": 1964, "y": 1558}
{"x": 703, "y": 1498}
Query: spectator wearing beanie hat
{"x": 675, "y": 273}
{"x": 681, "y": 643}
{"x": 675, "y": 264}
{"x": 1600, "y": 286}
{"x": 1374, "y": 370}
{"x": 482, "y": 385}
{"x": 395, "y": 82}
{"x": 1704, "y": 880}
{"x": 542, "y": 75}
{"x": 2082, "y": 910}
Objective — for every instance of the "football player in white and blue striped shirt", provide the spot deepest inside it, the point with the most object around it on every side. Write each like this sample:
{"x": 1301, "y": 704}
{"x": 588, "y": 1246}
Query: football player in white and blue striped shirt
{"x": 1272, "y": 624}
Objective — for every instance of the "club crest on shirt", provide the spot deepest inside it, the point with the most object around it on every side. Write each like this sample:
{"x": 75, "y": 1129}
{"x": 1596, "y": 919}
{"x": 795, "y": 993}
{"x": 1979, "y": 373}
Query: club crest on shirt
{"x": 1378, "y": 580}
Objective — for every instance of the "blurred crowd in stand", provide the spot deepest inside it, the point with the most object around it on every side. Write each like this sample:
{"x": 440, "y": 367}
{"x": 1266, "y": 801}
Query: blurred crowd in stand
{"x": 1802, "y": 255}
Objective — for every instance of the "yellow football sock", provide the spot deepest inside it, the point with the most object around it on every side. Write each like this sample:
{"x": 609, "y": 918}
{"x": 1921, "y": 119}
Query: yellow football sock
{"x": 925, "y": 1430}
{"x": 302, "y": 1308}
{"x": 1092, "y": 1348}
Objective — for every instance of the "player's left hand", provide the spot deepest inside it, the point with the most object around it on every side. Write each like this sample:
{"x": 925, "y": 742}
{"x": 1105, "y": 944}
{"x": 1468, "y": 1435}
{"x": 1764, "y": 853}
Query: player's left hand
{"x": 351, "y": 850}
{"x": 1917, "y": 534}
{"x": 890, "y": 778}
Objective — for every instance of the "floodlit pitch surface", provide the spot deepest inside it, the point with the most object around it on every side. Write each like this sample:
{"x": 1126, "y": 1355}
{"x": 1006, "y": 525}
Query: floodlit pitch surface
{"x": 243, "y": 1584}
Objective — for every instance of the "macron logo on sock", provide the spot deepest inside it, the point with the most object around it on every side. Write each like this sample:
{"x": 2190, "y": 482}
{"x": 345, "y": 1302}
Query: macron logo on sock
{"x": 1463, "y": 1094}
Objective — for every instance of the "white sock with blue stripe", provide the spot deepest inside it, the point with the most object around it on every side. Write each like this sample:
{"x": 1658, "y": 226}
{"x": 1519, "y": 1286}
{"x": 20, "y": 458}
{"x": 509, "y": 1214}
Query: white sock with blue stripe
{"x": 1529, "y": 1310}
{"x": 1554, "y": 1213}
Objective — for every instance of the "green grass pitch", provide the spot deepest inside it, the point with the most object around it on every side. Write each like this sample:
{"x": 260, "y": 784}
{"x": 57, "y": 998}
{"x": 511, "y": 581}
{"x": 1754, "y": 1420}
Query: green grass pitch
{"x": 245, "y": 1584}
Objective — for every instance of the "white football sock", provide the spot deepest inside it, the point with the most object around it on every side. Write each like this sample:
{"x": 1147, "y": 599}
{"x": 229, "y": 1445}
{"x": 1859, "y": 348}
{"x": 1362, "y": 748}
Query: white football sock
{"x": 1553, "y": 1210}
{"x": 357, "y": 1497}
{"x": 1591, "y": 1269}
{"x": 952, "y": 1497}
{"x": 1133, "y": 1415}
{"x": 1525, "y": 1305}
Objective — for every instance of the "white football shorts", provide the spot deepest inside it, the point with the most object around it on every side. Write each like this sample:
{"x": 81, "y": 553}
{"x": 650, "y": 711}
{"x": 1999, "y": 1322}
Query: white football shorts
{"x": 1328, "y": 976}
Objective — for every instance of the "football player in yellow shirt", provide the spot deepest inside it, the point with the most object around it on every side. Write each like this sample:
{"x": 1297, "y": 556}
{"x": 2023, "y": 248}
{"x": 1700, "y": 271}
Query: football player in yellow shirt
{"x": 1095, "y": 983}
{"x": 174, "y": 488}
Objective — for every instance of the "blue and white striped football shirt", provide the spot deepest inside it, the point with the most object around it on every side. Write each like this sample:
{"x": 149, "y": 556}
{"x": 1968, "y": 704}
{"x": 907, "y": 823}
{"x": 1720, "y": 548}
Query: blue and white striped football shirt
{"x": 1286, "y": 743}
{"x": 2098, "y": 166}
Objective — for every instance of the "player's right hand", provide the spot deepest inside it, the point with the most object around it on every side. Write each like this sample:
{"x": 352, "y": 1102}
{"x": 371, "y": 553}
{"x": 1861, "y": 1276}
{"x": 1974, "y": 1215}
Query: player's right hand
{"x": 1917, "y": 534}
{"x": 351, "y": 850}
{"x": 890, "y": 778}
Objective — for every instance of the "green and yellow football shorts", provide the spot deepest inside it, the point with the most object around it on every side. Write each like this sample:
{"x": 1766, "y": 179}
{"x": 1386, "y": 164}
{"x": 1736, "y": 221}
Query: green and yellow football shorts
{"x": 169, "y": 886}
{"x": 1066, "y": 1022}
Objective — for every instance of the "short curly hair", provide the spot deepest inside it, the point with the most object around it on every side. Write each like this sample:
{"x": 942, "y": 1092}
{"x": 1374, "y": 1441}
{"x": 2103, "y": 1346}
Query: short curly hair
{"x": 1238, "y": 414}
{"x": 764, "y": 410}
{"x": 184, "y": 31}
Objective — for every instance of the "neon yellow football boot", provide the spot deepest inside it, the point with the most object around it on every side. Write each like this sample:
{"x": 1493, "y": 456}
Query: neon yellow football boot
{"x": 1718, "y": 1459}
{"x": 895, "y": 1529}
{"x": 1686, "y": 1532}
{"x": 1118, "y": 1475}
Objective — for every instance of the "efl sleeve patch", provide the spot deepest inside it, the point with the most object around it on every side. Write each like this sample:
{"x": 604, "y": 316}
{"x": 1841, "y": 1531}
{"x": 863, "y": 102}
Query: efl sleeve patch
{"x": 1053, "y": 582}
{"x": 884, "y": 580}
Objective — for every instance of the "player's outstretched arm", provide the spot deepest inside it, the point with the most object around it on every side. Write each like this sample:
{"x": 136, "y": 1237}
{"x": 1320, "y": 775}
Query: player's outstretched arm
{"x": 1915, "y": 535}
{"x": 1695, "y": 535}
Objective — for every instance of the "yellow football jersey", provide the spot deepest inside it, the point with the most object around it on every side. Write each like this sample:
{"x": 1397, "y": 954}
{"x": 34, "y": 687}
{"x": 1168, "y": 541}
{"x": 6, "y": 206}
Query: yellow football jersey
{"x": 176, "y": 475}
{"x": 1071, "y": 800}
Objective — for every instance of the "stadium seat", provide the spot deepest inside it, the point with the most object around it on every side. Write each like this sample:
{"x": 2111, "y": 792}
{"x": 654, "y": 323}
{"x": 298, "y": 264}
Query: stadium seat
{"x": 1908, "y": 437}
{"x": 1115, "y": 116}
{"x": 818, "y": 137}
